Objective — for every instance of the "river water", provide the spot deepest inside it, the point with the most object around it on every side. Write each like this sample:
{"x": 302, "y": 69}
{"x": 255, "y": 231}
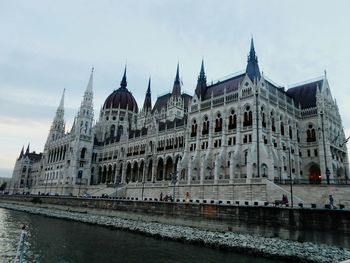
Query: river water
{"x": 54, "y": 240}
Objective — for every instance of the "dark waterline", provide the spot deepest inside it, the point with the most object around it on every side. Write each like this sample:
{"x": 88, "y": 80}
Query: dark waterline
{"x": 54, "y": 240}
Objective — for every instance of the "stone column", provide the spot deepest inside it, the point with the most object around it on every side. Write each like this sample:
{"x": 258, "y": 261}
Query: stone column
{"x": 189, "y": 173}
{"x": 153, "y": 171}
{"x": 231, "y": 167}
{"x": 124, "y": 173}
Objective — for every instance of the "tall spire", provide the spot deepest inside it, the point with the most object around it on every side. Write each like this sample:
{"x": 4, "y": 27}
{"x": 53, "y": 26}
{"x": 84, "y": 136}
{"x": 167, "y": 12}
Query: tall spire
{"x": 61, "y": 106}
{"x": 90, "y": 83}
{"x": 123, "y": 83}
{"x": 252, "y": 70}
{"x": 60, "y": 110}
{"x": 147, "y": 105}
{"x": 177, "y": 84}
{"x": 201, "y": 83}
{"x": 202, "y": 73}
{"x": 22, "y": 152}
{"x": 88, "y": 94}
{"x": 27, "y": 151}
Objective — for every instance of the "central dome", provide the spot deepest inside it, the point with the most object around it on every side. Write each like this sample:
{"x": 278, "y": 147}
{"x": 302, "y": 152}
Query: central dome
{"x": 121, "y": 98}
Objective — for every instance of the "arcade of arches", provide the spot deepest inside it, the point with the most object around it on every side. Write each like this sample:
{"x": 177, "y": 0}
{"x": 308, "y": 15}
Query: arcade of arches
{"x": 151, "y": 170}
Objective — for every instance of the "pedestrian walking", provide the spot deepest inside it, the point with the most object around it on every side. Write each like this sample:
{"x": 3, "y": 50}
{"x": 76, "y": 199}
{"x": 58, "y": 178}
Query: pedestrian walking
{"x": 331, "y": 201}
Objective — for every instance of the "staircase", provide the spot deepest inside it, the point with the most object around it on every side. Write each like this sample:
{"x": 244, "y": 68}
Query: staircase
{"x": 103, "y": 190}
{"x": 275, "y": 192}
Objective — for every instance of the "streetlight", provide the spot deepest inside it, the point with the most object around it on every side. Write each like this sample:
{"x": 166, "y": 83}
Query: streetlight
{"x": 257, "y": 133}
{"x": 80, "y": 175}
{"x": 324, "y": 149}
{"x": 46, "y": 180}
{"x": 290, "y": 176}
{"x": 143, "y": 184}
{"x": 174, "y": 180}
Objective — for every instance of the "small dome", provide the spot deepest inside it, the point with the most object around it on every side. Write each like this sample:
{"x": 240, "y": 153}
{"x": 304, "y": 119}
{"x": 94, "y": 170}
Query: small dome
{"x": 121, "y": 98}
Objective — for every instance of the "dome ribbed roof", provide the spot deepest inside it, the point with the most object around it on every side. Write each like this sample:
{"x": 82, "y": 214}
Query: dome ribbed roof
{"x": 121, "y": 98}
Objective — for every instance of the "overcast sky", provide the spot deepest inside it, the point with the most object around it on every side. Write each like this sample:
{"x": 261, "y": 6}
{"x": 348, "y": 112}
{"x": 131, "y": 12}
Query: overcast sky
{"x": 47, "y": 46}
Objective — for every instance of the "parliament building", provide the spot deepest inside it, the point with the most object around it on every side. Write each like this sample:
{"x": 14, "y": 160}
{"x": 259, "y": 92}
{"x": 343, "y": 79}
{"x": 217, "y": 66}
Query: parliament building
{"x": 237, "y": 138}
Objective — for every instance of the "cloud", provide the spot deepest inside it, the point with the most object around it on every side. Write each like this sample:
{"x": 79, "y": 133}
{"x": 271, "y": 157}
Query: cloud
{"x": 49, "y": 46}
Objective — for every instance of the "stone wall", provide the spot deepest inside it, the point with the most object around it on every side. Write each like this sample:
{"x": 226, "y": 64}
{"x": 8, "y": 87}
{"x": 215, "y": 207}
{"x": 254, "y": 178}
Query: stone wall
{"x": 242, "y": 192}
{"x": 267, "y": 220}
{"x": 319, "y": 194}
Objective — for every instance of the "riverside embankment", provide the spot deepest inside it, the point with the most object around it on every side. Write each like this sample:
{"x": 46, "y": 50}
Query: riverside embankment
{"x": 189, "y": 223}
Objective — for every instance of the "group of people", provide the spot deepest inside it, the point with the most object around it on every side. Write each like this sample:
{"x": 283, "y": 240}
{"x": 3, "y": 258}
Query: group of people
{"x": 166, "y": 198}
{"x": 169, "y": 197}
{"x": 285, "y": 201}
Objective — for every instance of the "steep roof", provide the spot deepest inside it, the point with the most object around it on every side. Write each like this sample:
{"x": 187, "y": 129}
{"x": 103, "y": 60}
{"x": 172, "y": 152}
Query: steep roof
{"x": 35, "y": 157}
{"x": 162, "y": 101}
{"x": 305, "y": 94}
{"x": 218, "y": 88}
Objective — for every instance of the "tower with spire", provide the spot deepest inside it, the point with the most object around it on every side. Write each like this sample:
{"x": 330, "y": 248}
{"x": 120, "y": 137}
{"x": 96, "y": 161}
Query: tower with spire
{"x": 82, "y": 139}
{"x": 252, "y": 69}
{"x": 177, "y": 84}
{"x": 84, "y": 118}
{"x": 201, "y": 82}
{"x": 144, "y": 116}
{"x": 57, "y": 129}
{"x": 175, "y": 105}
{"x": 147, "y": 105}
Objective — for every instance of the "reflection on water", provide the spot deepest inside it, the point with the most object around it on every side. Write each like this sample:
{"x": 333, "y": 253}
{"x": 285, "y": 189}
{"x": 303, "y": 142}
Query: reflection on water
{"x": 53, "y": 240}
{"x": 332, "y": 238}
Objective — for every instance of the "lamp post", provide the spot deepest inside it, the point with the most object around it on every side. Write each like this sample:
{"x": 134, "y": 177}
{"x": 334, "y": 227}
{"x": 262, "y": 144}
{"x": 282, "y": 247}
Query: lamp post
{"x": 324, "y": 149}
{"x": 46, "y": 180}
{"x": 80, "y": 176}
{"x": 257, "y": 133}
{"x": 80, "y": 179}
{"x": 174, "y": 180}
{"x": 143, "y": 184}
{"x": 52, "y": 177}
{"x": 290, "y": 176}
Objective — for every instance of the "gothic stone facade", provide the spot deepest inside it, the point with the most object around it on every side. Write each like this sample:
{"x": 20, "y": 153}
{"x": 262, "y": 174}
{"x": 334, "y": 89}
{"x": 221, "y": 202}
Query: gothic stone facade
{"x": 230, "y": 132}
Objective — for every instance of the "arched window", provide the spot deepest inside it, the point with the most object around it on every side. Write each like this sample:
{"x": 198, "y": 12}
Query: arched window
{"x": 205, "y": 129}
{"x": 218, "y": 123}
{"x": 232, "y": 120}
{"x": 248, "y": 117}
{"x": 82, "y": 153}
{"x": 194, "y": 128}
{"x": 273, "y": 127}
{"x": 282, "y": 128}
{"x": 263, "y": 117}
{"x": 310, "y": 134}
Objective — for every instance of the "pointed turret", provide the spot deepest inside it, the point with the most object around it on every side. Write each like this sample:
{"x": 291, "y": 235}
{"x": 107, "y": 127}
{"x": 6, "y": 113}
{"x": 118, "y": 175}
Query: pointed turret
{"x": 90, "y": 83}
{"x": 147, "y": 105}
{"x": 60, "y": 109}
{"x": 27, "y": 151}
{"x": 201, "y": 83}
{"x": 252, "y": 70}
{"x": 21, "y": 154}
{"x": 177, "y": 84}
{"x": 89, "y": 93}
{"x": 58, "y": 125}
{"x": 85, "y": 114}
{"x": 61, "y": 106}
{"x": 123, "y": 83}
